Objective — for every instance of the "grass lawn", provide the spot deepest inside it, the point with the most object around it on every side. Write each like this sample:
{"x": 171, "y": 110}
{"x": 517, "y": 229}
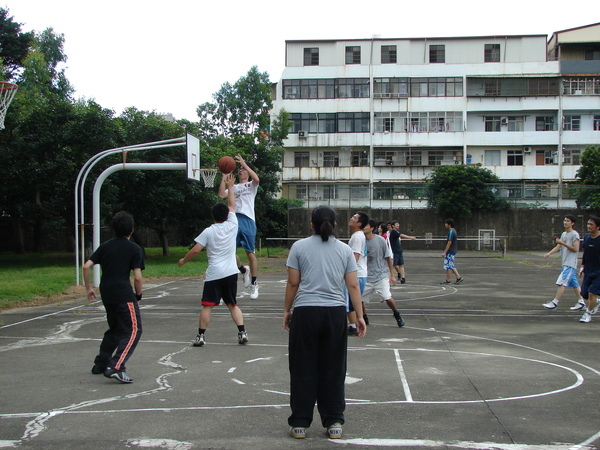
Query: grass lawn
{"x": 33, "y": 278}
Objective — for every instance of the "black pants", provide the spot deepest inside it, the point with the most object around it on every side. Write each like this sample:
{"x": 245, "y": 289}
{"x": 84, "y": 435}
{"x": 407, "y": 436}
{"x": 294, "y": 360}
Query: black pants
{"x": 123, "y": 334}
{"x": 317, "y": 359}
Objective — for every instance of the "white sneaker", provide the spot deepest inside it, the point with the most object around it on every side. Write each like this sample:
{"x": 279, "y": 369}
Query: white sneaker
{"x": 579, "y": 305}
{"x": 247, "y": 276}
{"x": 550, "y": 305}
{"x": 254, "y": 291}
{"x": 586, "y": 318}
{"x": 595, "y": 310}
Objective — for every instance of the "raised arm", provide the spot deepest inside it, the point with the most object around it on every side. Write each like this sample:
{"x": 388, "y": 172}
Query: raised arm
{"x": 251, "y": 173}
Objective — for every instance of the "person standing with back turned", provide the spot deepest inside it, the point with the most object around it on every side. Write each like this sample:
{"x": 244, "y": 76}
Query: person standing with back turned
{"x": 318, "y": 268}
{"x": 245, "y": 193}
{"x": 568, "y": 246}
{"x": 118, "y": 257}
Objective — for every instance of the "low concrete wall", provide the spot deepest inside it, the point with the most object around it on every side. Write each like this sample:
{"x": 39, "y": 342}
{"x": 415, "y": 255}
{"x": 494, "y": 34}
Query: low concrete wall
{"x": 518, "y": 229}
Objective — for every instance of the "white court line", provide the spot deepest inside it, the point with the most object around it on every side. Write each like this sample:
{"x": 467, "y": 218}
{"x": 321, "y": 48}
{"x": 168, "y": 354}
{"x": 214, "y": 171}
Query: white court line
{"x": 405, "y": 385}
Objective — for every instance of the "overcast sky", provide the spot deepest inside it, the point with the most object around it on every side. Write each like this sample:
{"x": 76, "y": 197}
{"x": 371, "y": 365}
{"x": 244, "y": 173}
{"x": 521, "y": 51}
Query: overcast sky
{"x": 171, "y": 56}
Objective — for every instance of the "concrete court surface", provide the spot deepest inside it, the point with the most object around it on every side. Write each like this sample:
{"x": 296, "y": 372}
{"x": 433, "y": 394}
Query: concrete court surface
{"x": 481, "y": 365}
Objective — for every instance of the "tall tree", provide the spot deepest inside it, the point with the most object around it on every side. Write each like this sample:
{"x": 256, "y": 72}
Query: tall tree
{"x": 35, "y": 163}
{"x": 458, "y": 191}
{"x": 14, "y": 44}
{"x": 589, "y": 175}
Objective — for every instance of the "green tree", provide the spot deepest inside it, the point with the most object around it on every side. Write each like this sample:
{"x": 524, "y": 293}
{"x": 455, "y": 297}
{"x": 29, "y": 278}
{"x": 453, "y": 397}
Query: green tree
{"x": 589, "y": 175}
{"x": 14, "y": 44}
{"x": 459, "y": 190}
{"x": 35, "y": 162}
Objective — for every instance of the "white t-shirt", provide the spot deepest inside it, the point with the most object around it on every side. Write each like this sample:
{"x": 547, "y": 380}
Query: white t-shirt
{"x": 245, "y": 194}
{"x": 358, "y": 244}
{"x": 219, "y": 241}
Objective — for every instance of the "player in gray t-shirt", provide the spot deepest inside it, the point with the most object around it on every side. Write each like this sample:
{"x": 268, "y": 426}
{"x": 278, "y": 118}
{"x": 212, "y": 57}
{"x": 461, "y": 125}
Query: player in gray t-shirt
{"x": 568, "y": 245}
{"x": 380, "y": 271}
{"x": 318, "y": 268}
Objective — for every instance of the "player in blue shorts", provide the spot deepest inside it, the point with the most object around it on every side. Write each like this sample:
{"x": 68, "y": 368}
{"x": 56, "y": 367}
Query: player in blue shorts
{"x": 568, "y": 246}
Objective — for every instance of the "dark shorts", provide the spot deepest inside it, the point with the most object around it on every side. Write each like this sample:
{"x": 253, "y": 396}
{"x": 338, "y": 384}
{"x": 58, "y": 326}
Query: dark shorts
{"x": 224, "y": 288}
{"x": 398, "y": 259}
{"x": 590, "y": 284}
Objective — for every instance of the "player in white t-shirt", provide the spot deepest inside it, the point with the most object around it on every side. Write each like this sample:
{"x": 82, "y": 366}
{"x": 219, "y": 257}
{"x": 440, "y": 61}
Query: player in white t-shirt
{"x": 245, "y": 193}
{"x": 358, "y": 245}
{"x": 222, "y": 273}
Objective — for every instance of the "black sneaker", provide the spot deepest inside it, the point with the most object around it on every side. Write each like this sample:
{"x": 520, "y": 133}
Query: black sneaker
{"x": 366, "y": 318}
{"x": 402, "y": 280}
{"x": 446, "y": 282}
{"x": 97, "y": 370}
{"x": 459, "y": 280}
{"x": 399, "y": 318}
{"x": 352, "y": 331}
{"x": 118, "y": 375}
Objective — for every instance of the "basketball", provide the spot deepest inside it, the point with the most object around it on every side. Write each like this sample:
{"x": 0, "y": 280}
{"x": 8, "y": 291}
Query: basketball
{"x": 226, "y": 164}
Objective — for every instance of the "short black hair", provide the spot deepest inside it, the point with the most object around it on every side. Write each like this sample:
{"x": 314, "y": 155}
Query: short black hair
{"x": 450, "y": 222}
{"x": 596, "y": 220}
{"x": 373, "y": 223}
{"x": 220, "y": 211}
{"x": 363, "y": 218}
{"x": 123, "y": 224}
{"x": 571, "y": 217}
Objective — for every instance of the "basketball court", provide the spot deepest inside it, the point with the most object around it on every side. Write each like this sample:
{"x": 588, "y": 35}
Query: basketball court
{"x": 480, "y": 365}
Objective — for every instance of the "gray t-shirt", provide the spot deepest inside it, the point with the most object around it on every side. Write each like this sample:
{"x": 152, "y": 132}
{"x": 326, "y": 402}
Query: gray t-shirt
{"x": 377, "y": 265}
{"x": 569, "y": 258}
{"x": 322, "y": 267}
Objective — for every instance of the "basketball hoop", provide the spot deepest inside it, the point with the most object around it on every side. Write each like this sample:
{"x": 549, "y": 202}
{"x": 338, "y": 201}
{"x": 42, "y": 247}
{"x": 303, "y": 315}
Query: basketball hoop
{"x": 208, "y": 176}
{"x": 7, "y": 92}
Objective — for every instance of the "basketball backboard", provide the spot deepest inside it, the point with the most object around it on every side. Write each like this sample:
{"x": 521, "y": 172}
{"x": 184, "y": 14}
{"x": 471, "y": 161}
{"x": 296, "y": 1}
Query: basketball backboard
{"x": 192, "y": 144}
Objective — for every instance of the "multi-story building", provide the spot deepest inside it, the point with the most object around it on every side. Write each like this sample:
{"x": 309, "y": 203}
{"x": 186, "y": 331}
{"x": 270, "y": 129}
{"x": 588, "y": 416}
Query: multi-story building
{"x": 372, "y": 117}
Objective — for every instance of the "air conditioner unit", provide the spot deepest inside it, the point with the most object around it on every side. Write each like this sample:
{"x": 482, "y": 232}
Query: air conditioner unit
{"x": 526, "y": 149}
{"x": 504, "y": 120}
{"x": 302, "y": 134}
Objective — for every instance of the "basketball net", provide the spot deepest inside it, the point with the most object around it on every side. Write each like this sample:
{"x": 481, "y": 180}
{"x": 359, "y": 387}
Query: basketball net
{"x": 208, "y": 176}
{"x": 7, "y": 92}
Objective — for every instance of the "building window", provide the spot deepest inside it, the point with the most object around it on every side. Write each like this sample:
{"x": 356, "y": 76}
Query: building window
{"x": 331, "y": 159}
{"x": 330, "y": 192}
{"x": 359, "y": 158}
{"x": 330, "y": 122}
{"x": 302, "y": 192}
{"x": 436, "y": 87}
{"x": 516, "y": 123}
{"x": 352, "y": 88}
{"x": 492, "y": 53}
{"x": 353, "y": 122}
{"x": 437, "y": 53}
{"x": 492, "y": 123}
{"x": 592, "y": 53}
{"x": 512, "y": 87}
{"x": 388, "y": 54}
{"x": 492, "y": 158}
{"x": 572, "y": 123}
{"x": 301, "y": 159}
{"x": 545, "y": 157}
{"x": 390, "y": 87}
{"x": 544, "y": 123}
{"x": 352, "y": 55}
{"x": 581, "y": 86}
{"x": 596, "y": 123}
{"x": 435, "y": 157}
{"x": 326, "y": 122}
{"x": 572, "y": 157}
{"x": 311, "y": 56}
{"x": 514, "y": 157}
